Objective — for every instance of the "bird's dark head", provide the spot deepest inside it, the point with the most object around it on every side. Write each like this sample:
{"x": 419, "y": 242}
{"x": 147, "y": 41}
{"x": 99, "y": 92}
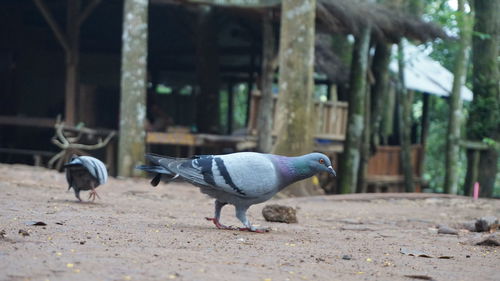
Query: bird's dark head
{"x": 319, "y": 162}
{"x": 74, "y": 161}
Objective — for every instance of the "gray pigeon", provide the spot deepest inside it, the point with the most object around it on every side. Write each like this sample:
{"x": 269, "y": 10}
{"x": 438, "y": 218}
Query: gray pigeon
{"x": 241, "y": 179}
{"x": 85, "y": 173}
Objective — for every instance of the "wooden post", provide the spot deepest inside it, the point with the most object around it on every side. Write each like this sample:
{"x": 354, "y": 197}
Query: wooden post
{"x": 207, "y": 68}
{"x": 251, "y": 80}
{"x": 355, "y": 121}
{"x": 133, "y": 86}
{"x": 72, "y": 61}
{"x": 294, "y": 122}
{"x": 265, "y": 114}
{"x": 230, "y": 107}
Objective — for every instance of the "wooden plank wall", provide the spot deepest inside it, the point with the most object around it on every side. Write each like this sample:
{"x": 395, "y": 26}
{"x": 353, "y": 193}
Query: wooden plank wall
{"x": 331, "y": 118}
{"x": 387, "y": 161}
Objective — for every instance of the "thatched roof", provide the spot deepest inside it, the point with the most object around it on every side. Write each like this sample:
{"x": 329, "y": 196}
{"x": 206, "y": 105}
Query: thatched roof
{"x": 327, "y": 62}
{"x": 388, "y": 23}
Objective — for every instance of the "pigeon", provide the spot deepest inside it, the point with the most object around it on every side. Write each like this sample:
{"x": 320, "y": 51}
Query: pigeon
{"x": 241, "y": 179}
{"x": 85, "y": 173}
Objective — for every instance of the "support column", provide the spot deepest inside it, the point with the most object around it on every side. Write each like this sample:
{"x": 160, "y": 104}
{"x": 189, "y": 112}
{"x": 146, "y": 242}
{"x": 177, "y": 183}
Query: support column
{"x": 133, "y": 86}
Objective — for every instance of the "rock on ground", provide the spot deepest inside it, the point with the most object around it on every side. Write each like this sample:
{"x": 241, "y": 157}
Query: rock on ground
{"x": 279, "y": 213}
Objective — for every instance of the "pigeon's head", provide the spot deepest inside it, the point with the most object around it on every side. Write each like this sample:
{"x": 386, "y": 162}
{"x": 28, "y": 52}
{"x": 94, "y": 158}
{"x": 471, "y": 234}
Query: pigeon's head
{"x": 320, "y": 163}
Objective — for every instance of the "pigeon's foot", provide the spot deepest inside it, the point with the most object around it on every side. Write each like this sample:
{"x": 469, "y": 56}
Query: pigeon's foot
{"x": 218, "y": 224}
{"x": 253, "y": 229}
{"x": 93, "y": 194}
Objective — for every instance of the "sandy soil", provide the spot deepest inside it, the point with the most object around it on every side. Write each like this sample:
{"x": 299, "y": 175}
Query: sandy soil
{"x": 137, "y": 232}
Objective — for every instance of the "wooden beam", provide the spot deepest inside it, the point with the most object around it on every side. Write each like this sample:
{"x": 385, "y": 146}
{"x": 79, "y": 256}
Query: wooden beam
{"x": 27, "y": 121}
{"x": 87, "y": 11}
{"x": 53, "y": 24}
{"x": 225, "y": 3}
{"x": 474, "y": 145}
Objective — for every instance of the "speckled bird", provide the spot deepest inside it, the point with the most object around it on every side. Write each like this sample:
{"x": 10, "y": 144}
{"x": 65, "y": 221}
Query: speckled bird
{"x": 85, "y": 173}
{"x": 241, "y": 179}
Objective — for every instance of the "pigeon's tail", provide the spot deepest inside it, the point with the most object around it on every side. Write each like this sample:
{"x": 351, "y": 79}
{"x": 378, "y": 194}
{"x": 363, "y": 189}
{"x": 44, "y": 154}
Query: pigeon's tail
{"x": 154, "y": 169}
{"x": 159, "y": 170}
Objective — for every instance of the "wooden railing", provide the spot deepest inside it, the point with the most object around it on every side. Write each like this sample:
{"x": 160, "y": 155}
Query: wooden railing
{"x": 331, "y": 118}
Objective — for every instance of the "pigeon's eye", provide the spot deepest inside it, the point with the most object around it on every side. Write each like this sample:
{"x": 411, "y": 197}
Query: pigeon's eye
{"x": 322, "y": 161}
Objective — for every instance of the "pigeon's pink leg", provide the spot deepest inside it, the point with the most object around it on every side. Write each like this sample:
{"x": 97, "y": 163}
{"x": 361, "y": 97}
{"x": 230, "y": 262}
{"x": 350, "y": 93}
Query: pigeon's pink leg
{"x": 93, "y": 194}
{"x": 218, "y": 224}
{"x": 216, "y": 218}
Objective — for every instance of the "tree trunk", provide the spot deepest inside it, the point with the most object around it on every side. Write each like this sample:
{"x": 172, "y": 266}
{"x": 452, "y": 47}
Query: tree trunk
{"x": 405, "y": 98}
{"x": 294, "y": 115}
{"x": 484, "y": 117}
{"x": 387, "y": 125}
{"x": 365, "y": 145}
{"x": 379, "y": 92}
{"x": 208, "y": 71}
{"x": 351, "y": 157}
{"x": 133, "y": 86}
{"x": 455, "y": 101}
{"x": 343, "y": 49}
{"x": 427, "y": 104}
{"x": 265, "y": 114}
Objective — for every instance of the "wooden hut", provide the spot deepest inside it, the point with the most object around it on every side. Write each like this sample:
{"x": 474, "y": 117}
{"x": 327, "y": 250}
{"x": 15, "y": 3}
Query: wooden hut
{"x": 184, "y": 68}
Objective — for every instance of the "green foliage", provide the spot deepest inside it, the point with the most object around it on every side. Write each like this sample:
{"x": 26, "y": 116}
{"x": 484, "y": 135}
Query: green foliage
{"x": 240, "y": 96}
{"x": 434, "y": 169}
{"x": 485, "y": 119}
{"x": 223, "y": 108}
{"x": 163, "y": 90}
{"x": 441, "y": 12}
{"x": 240, "y": 92}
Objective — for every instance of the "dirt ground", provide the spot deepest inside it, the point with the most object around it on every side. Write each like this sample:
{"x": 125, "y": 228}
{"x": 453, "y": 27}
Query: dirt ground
{"x": 137, "y": 232}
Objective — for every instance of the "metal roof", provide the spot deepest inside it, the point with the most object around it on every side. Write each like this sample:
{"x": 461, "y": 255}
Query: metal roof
{"x": 424, "y": 74}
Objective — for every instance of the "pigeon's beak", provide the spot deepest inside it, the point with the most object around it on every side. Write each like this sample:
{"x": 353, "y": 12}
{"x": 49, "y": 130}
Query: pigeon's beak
{"x": 332, "y": 171}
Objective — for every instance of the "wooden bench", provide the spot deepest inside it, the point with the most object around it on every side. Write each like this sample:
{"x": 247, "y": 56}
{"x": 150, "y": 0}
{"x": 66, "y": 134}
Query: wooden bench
{"x": 37, "y": 155}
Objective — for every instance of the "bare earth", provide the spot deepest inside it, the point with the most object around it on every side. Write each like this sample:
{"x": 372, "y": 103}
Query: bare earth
{"x": 137, "y": 232}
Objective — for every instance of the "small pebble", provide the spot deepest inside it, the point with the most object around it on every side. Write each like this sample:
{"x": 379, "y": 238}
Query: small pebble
{"x": 346, "y": 257}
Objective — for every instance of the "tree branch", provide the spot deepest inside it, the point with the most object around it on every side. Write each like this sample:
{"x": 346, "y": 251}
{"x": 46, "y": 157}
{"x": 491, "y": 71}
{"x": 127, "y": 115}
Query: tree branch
{"x": 87, "y": 11}
{"x": 53, "y": 24}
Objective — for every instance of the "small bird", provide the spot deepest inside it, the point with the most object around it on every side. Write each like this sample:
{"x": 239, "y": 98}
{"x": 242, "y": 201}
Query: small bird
{"x": 241, "y": 179}
{"x": 85, "y": 173}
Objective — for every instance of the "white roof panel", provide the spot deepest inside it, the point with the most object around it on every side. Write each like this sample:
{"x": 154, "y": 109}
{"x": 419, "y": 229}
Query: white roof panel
{"x": 426, "y": 75}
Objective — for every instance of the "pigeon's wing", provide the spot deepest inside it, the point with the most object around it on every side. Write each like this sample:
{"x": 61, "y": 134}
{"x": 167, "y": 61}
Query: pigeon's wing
{"x": 196, "y": 171}
{"x": 243, "y": 174}
{"x": 95, "y": 167}
{"x": 69, "y": 179}
{"x": 155, "y": 158}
